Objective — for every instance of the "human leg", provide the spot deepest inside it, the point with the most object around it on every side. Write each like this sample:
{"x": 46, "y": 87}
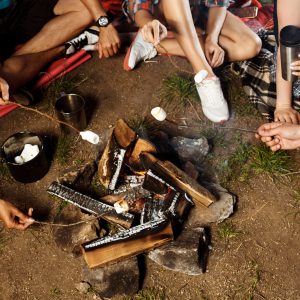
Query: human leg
{"x": 19, "y": 70}
{"x": 238, "y": 41}
{"x": 71, "y": 18}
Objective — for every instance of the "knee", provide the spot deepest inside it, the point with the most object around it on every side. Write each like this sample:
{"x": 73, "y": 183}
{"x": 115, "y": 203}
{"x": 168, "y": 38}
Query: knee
{"x": 249, "y": 47}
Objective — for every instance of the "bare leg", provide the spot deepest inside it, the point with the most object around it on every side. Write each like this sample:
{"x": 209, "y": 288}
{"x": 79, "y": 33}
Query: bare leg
{"x": 238, "y": 41}
{"x": 178, "y": 15}
{"x": 72, "y": 18}
{"x": 19, "y": 70}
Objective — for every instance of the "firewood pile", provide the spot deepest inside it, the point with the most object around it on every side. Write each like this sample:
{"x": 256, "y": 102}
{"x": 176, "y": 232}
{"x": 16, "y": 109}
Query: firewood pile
{"x": 145, "y": 197}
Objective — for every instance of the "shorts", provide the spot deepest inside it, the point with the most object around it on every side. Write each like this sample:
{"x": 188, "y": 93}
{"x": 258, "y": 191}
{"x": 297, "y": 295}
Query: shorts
{"x": 20, "y": 22}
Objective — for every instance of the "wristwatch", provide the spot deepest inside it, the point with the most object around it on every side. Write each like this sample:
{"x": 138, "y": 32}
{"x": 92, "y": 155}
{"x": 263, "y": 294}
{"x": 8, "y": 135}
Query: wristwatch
{"x": 103, "y": 21}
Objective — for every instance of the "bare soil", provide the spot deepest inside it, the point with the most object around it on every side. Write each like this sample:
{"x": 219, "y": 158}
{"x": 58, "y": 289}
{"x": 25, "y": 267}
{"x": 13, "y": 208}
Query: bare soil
{"x": 262, "y": 261}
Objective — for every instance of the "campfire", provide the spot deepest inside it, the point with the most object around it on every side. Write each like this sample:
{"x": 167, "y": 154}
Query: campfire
{"x": 146, "y": 197}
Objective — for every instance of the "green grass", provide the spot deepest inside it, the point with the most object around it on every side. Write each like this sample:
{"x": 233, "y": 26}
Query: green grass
{"x": 66, "y": 84}
{"x": 273, "y": 164}
{"x": 250, "y": 160}
{"x": 236, "y": 94}
{"x": 64, "y": 149}
{"x": 227, "y": 231}
{"x": 148, "y": 294}
{"x": 142, "y": 125}
{"x": 178, "y": 92}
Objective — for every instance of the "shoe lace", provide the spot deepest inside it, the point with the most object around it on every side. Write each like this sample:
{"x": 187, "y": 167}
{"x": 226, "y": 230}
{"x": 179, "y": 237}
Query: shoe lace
{"x": 79, "y": 42}
{"x": 212, "y": 91}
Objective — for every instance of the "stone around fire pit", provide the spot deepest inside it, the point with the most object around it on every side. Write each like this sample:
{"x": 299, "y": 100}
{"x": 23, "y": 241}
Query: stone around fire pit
{"x": 215, "y": 213}
{"x": 70, "y": 238}
{"x": 194, "y": 150}
{"x": 187, "y": 254}
{"x": 120, "y": 279}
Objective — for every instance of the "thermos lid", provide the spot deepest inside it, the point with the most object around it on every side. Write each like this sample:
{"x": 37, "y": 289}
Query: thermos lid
{"x": 290, "y": 36}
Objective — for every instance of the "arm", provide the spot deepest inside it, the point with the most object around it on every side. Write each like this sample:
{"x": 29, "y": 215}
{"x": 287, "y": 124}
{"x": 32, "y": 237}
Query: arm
{"x": 14, "y": 218}
{"x": 288, "y": 14}
{"x": 214, "y": 53}
{"x": 109, "y": 41}
{"x": 4, "y": 91}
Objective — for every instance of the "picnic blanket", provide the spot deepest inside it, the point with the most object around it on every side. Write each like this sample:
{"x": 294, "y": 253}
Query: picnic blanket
{"x": 259, "y": 79}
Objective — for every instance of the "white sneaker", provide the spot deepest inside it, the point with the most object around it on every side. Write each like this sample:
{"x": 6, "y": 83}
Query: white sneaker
{"x": 84, "y": 40}
{"x": 214, "y": 105}
{"x": 138, "y": 51}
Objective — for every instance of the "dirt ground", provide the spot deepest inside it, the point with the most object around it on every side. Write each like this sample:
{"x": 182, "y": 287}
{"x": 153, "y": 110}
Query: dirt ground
{"x": 261, "y": 260}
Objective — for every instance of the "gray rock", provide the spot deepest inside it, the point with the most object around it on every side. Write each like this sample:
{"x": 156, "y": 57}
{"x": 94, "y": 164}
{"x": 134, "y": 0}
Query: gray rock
{"x": 215, "y": 213}
{"x": 194, "y": 150}
{"x": 70, "y": 238}
{"x": 83, "y": 287}
{"x": 120, "y": 279}
{"x": 187, "y": 254}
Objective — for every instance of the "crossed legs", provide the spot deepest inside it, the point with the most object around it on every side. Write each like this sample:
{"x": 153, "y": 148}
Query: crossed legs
{"x": 71, "y": 18}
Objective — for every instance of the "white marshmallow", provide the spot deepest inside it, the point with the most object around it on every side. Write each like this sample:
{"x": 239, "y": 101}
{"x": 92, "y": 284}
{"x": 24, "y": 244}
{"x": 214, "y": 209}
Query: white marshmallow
{"x": 158, "y": 113}
{"x": 19, "y": 160}
{"x": 29, "y": 152}
{"x": 90, "y": 136}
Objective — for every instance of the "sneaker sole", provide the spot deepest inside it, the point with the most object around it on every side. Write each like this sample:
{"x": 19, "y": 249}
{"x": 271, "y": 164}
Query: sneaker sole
{"x": 126, "y": 59}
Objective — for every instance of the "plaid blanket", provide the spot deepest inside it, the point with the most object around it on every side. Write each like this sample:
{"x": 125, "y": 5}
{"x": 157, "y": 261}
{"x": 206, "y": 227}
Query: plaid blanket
{"x": 259, "y": 80}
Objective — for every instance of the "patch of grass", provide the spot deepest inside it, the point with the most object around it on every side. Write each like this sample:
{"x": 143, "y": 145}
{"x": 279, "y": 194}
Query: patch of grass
{"x": 61, "y": 206}
{"x": 56, "y": 291}
{"x": 227, "y": 231}
{"x": 64, "y": 148}
{"x": 65, "y": 84}
{"x": 148, "y": 294}
{"x": 215, "y": 137}
{"x": 236, "y": 94}
{"x": 254, "y": 281}
{"x": 142, "y": 125}
{"x": 273, "y": 164}
{"x": 178, "y": 92}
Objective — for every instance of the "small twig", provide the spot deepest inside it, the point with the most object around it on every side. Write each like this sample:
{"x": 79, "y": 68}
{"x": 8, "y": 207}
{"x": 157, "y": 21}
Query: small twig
{"x": 67, "y": 225}
{"x": 238, "y": 129}
{"x": 172, "y": 62}
{"x": 193, "y": 107}
{"x": 44, "y": 115}
{"x": 291, "y": 173}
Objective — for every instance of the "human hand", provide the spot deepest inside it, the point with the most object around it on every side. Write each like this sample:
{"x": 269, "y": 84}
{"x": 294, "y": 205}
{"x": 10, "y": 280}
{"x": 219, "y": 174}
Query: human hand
{"x": 214, "y": 53}
{"x": 109, "y": 41}
{"x": 13, "y": 217}
{"x": 4, "y": 90}
{"x": 288, "y": 115}
{"x": 154, "y": 32}
{"x": 279, "y": 135}
{"x": 295, "y": 66}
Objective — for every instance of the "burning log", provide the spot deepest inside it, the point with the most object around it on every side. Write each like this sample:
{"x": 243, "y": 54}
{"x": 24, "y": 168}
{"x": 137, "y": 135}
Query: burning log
{"x": 127, "y": 243}
{"x": 172, "y": 176}
{"x": 112, "y": 160}
{"x": 91, "y": 205}
{"x": 140, "y": 146}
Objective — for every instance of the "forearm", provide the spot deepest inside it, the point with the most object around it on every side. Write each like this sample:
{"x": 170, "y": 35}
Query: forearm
{"x": 283, "y": 87}
{"x": 215, "y": 22}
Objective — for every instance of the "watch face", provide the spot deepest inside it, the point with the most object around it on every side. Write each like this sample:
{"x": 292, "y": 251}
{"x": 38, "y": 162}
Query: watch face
{"x": 103, "y": 21}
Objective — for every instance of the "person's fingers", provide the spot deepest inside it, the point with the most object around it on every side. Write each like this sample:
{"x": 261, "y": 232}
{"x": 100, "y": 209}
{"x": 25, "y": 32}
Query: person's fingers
{"x": 4, "y": 87}
{"x": 110, "y": 51}
{"x": 30, "y": 211}
{"x": 220, "y": 60}
{"x": 156, "y": 30}
{"x": 272, "y": 143}
{"x": 100, "y": 51}
{"x": 208, "y": 55}
{"x": 275, "y": 147}
{"x": 294, "y": 118}
{"x": 266, "y": 139}
{"x": 163, "y": 32}
{"x": 215, "y": 56}
{"x": 269, "y": 129}
{"x": 105, "y": 52}
{"x": 296, "y": 73}
{"x": 115, "y": 48}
